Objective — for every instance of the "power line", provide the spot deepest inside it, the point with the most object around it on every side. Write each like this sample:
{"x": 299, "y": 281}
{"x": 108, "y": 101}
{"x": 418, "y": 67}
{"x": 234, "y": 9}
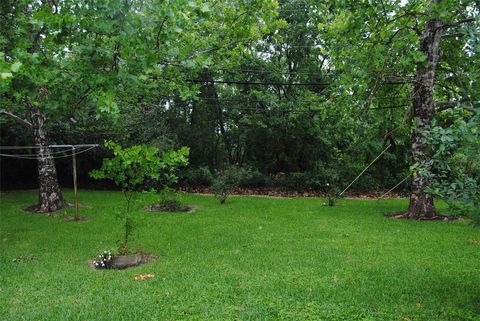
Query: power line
{"x": 255, "y": 83}
{"x": 389, "y": 79}
{"x": 263, "y": 71}
{"x": 249, "y": 70}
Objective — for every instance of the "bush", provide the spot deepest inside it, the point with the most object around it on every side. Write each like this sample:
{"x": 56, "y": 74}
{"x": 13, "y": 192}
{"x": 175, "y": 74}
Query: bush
{"x": 197, "y": 177}
{"x": 169, "y": 202}
{"x": 332, "y": 193}
{"x": 226, "y": 181}
{"x": 455, "y": 173}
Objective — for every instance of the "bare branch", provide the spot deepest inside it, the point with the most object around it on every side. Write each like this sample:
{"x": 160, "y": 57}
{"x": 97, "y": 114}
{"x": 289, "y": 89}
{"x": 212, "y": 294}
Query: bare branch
{"x": 457, "y": 23}
{"x": 453, "y": 35}
{"x": 17, "y": 118}
{"x": 160, "y": 29}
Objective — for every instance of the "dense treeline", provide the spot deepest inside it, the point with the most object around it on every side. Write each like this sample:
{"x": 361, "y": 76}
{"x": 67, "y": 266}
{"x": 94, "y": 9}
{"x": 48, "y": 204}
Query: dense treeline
{"x": 298, "y": 93}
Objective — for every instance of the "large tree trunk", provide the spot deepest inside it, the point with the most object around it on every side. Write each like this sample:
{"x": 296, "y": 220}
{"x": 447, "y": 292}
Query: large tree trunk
{"x": 421, "y": 202}
{"x": 50, "y": 196}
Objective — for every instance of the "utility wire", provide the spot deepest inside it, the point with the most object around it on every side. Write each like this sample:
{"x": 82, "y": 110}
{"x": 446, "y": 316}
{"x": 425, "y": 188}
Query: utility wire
{"x": 236, "y": 82}
{"x": 328, "y": 74}
{"x": 263, "y": 71}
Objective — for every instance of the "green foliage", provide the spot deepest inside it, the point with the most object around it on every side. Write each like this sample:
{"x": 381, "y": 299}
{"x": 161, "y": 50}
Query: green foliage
{"x": 252, "y": 177}
{"x": 197, "y": 177}
{"x": 124, "y": 69}
{"x": 132, "y": 169}
{"x": 455, "y": 144}
{"x": 333, "y": 194}
{"x": 226, "y": 181}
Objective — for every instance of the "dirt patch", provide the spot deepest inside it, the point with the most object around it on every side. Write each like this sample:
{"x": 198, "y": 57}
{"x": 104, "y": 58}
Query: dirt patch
{"x": 163, "y": 208}
{"x": 72, "y": 219}
{"x": 24, "y": 259}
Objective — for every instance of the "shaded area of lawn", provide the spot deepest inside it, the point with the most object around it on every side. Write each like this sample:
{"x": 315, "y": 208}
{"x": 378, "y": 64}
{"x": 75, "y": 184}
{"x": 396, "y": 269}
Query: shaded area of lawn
{"x": 250, "y": 259}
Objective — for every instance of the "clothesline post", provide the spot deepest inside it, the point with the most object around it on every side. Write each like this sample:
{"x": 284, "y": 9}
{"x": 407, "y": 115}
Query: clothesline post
{"x": 75, "y": 193}
{"x": 74, "y": 162}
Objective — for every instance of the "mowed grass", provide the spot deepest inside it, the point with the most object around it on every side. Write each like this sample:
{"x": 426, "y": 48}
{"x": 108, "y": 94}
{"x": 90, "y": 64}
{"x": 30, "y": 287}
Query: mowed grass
{"x": 250, "y": 259}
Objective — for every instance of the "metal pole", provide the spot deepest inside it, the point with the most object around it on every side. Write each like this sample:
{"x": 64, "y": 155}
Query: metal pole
{"x": 75, "y": 194}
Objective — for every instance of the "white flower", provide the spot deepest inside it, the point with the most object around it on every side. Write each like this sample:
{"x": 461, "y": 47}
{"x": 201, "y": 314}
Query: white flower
{"x": 328, "y": 184}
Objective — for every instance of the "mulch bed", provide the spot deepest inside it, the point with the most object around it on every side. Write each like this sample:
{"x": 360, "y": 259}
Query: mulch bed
{"x": 277, "y": 192}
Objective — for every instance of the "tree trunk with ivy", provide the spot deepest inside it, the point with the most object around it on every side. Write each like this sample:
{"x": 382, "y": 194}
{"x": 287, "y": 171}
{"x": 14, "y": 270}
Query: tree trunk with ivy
{"x": 421, "y": 202}
{"x": 50, "y": 196}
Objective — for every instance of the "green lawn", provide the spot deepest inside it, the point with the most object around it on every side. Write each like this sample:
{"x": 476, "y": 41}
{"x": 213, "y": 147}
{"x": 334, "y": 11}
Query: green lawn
{"x": 250, "y": 259}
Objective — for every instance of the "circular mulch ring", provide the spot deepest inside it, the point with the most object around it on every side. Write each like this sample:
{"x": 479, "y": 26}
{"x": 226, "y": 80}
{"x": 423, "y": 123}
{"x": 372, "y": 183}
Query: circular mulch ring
{"x": 162, "y": 208}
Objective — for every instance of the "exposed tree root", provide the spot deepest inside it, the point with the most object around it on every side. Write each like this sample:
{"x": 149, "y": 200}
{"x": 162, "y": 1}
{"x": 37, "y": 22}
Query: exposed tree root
{"x": 408, "y": 216}
{"x": 43, "y": 209}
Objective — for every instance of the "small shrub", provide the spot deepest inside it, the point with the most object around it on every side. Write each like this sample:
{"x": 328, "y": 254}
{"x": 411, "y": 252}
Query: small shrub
{"x": 226, "y": 181}
{"x": 132, "y": 169}
{"x": 168, "y": 202}
{"x": 332, "y": 193}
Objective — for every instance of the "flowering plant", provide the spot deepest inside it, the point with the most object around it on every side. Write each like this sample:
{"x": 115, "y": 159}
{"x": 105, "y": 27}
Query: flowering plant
{"x": 104, "y": 260}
